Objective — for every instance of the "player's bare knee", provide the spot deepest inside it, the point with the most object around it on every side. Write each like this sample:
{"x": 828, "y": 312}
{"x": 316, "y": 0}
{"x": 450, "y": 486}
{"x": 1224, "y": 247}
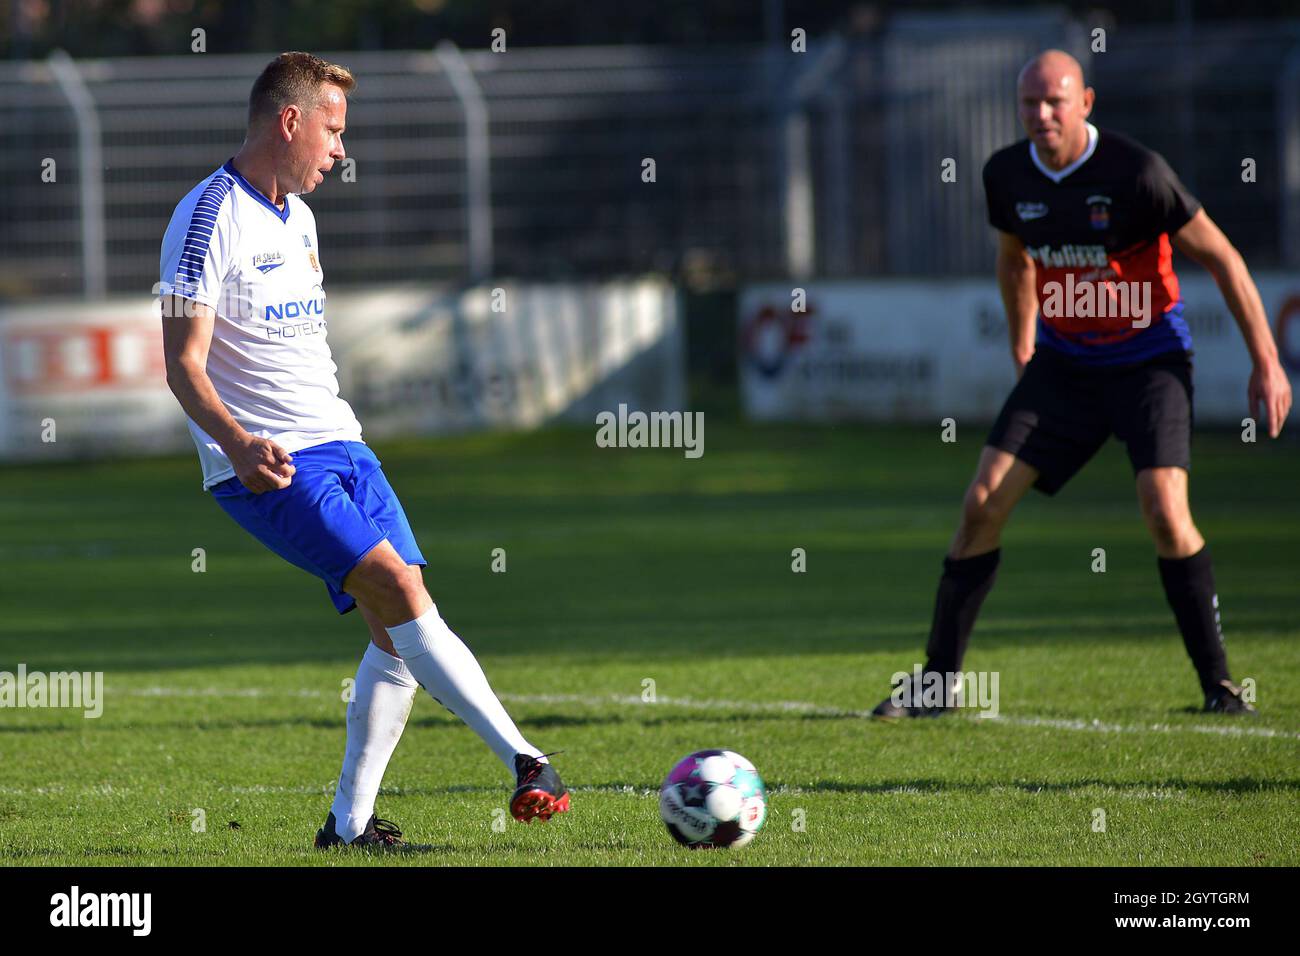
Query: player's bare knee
{"x": 1161, "y": 522}
{"x": 984, "y": 508}
{"x": 398, "y": 591}
{"x": 373, "y": 588}
{"x": 413, "y": 591}
{"x": 1168, "y": 527}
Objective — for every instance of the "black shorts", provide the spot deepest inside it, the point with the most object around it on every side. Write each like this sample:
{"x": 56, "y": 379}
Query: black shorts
{"x": 1060, "y": 414}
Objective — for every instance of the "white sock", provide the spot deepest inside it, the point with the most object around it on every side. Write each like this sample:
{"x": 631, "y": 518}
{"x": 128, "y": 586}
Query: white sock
{"x": 446, "y": 668}
{"x": 377, "y": 714}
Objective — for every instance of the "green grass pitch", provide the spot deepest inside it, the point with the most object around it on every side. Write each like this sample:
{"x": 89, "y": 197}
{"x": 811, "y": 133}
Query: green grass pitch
{"x": 224, "y": 688}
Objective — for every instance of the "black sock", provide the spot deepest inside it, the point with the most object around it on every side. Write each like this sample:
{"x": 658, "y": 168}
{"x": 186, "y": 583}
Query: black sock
{"x": 1189, "y": 586}
{"x": 962, "y": 589}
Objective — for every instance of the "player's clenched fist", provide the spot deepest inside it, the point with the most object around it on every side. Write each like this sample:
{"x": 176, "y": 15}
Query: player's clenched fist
{"x": 1270, "y": 390}
{"x": 261, "y": 465}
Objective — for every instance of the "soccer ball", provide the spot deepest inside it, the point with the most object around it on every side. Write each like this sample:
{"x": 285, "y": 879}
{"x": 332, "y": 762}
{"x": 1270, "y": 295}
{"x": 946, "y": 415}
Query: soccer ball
{"x": 713, "y": 798}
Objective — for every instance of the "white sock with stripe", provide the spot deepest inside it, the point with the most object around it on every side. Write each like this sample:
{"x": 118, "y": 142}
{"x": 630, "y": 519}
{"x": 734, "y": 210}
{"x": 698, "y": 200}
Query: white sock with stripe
{"x": 377, "y": 713}
{"x": 446, "y": 668}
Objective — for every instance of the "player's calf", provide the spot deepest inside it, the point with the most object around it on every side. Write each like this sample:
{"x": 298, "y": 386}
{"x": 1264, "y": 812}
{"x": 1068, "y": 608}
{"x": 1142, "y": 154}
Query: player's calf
{"x": 1000, "y": 481}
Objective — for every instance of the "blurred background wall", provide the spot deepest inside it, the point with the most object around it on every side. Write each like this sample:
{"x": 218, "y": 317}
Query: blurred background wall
{"x": 792, "y": 143}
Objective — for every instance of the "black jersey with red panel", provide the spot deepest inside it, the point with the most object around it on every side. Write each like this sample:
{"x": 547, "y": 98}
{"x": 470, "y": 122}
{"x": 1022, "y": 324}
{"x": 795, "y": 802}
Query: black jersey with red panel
{"x": 1098, "y": 232}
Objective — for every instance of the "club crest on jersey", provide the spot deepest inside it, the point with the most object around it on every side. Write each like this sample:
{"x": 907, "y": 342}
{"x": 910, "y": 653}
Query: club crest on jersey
{"x": 305, "y": 241}
{"x": 1031, "y": 210}
{"x": 315, "y": 263}
{"x": 1099, "y": 212}
{"x": 264, "y": 262}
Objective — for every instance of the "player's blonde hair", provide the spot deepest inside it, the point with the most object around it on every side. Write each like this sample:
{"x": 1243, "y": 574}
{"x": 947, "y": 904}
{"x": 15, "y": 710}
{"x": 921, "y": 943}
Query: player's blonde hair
{"x": 294, "y": 78}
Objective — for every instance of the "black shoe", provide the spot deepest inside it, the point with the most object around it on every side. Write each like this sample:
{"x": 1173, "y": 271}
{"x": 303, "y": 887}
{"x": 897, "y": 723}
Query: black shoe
{"x": 539, "y": 793}
{"x": 378, "y": 833}
{"x": 904, "y": 702}
{"x": 1227, "y": 699}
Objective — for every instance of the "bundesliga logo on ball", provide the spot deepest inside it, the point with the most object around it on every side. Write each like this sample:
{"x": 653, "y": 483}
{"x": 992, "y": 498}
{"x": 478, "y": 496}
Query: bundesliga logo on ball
{"x": 713, "y": 798}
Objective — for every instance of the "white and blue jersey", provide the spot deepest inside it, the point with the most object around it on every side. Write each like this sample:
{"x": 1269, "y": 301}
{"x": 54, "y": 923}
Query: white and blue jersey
{"x": 258, "y": 267}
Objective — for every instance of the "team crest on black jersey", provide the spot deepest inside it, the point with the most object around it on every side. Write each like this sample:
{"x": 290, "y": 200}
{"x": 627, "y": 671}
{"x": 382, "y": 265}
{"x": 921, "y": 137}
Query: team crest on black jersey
{"x": 1099, "y": 212}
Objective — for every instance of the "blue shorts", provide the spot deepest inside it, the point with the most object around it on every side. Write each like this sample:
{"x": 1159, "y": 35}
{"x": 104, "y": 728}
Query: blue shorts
{"x": 338, "y": 507}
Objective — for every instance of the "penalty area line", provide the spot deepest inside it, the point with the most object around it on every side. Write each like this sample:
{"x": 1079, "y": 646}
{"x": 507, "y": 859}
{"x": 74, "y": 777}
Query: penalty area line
{"x": 819, "y": 710}
{"x": 760, "y": 708}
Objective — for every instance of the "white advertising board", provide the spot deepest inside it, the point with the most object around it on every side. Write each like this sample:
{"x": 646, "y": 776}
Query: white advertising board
{"x": 87, "y": 378}
{"x": 921, "y": 351}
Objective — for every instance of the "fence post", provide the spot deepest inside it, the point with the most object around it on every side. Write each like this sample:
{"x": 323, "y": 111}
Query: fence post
{"x": 839, "y": 260}
{"x": 797, "y": 194}
{"x": 1288, "y": 158}
{"x": 90, "y": 156}
{"x": 478, "y": 157}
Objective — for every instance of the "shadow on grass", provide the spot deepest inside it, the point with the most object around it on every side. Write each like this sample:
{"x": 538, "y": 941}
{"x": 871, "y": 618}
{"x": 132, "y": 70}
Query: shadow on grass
{"x": 27, "y": 856}
{"x": 650, "y": 716}
{"x": 130, "y": 727}
{"x": 712, "y": 628}
{"x": 541, "y": 721}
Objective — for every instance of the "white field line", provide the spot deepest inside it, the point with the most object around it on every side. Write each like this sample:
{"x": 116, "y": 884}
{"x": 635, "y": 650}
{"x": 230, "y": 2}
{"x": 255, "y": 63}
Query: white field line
{"x": 760, "y": 708}
{"x": 222, "y": 692}
{"x": 818, "y": 710}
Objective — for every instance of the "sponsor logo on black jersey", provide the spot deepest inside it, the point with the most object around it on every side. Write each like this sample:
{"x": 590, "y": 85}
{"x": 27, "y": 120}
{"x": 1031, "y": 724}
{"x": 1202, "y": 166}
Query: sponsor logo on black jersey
{"x": 1070, "y": 256}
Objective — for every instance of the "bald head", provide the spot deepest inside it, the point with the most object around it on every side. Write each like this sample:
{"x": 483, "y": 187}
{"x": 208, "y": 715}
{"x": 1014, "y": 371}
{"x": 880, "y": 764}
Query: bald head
{"x": 1053, "y": 105}
{"x": 1053, "y": 67}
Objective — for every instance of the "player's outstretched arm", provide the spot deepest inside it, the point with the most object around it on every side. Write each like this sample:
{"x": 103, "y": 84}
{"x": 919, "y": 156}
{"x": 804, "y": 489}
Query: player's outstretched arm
{"x": 260, "y": 463}
{"x": 1205, "y": 242}
{"x": 1015, "y": 271}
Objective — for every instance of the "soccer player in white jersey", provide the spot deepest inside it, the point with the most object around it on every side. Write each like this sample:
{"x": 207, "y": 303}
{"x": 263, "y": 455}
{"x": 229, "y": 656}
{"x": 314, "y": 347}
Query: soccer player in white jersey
{"x": 244, "y": 328}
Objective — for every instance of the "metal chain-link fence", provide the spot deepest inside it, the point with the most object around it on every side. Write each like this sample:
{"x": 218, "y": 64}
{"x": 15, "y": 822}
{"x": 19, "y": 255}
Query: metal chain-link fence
{"x": 767, "y": 162}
